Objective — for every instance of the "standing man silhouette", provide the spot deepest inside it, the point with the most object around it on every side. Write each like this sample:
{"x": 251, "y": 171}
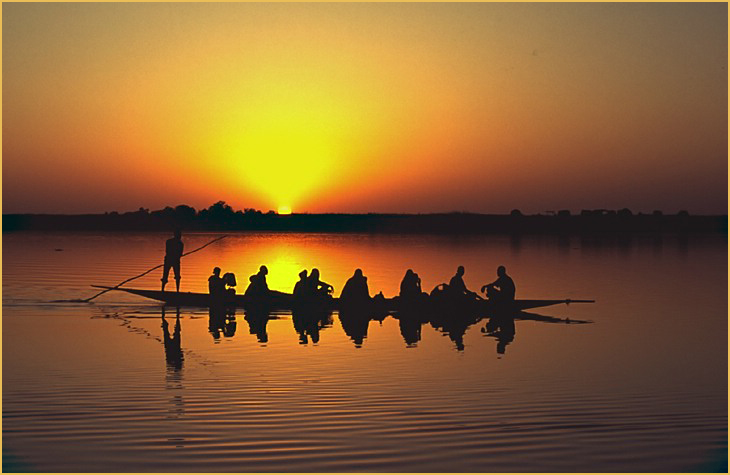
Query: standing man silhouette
{"x": 173, "y": 253}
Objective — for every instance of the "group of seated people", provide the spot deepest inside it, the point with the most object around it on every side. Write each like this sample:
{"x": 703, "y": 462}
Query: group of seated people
{"x": 356, "y": 287}
{"x": 310, "y": 286}
{"x": 501, "y": 290}
{"x": 220, "y": 287}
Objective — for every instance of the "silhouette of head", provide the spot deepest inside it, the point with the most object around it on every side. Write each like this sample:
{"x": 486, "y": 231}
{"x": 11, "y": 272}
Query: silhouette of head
{"x": 263, "y": 270}
{"x": 460, "y": 270}
{"x": 314, "y": 274}
{"x": 358, "y": 272}
{"x": 178, "y": 233}
{"x": 303, "y": 274}
{"x": 216, "y": 271}
{"x": 501, "y": 271}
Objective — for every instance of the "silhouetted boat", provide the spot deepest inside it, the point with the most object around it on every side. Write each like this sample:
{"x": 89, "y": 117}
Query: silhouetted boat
{"x": 283, "y": 301}
{"x": 275, "y": 300}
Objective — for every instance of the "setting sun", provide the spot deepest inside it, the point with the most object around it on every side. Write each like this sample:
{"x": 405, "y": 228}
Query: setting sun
{"x": 335, "y": 203}
{"x": 364, "y": 108}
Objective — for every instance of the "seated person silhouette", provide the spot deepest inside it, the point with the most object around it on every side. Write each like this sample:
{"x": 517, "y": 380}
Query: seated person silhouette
{"x": 457, "y": 287}
{"x": 316, "y": 287}
{"x": 258, "y": 285}
{"x": 410, "y": 286}
{"x": 216, "y": 286}
{"x": 300, "y": 288}
{"x": 502, "y": 289}
{"x": 173, "y": 253}
{"x": 356, "y": 288}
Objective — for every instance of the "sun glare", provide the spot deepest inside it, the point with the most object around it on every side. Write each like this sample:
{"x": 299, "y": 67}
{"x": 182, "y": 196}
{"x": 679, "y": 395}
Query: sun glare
{"x": 280, "y": 136}
{"x": 283, "y": 158}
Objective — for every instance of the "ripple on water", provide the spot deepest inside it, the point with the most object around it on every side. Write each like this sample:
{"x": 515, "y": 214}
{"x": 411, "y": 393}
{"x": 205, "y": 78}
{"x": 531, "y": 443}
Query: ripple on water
{"x": 88, "y": 388}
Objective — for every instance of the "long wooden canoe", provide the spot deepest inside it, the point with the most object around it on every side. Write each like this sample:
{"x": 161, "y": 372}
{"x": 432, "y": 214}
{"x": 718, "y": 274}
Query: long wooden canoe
{"x": 276, "y": 300}
{"x": 283, "y": 301}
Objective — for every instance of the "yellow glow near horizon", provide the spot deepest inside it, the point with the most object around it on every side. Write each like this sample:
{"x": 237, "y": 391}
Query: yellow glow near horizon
{"x": 284, "y": 209}
{"x": 278, "y": 137}
{"x": 364, "y": 107}
{"x": 282, "y": 163}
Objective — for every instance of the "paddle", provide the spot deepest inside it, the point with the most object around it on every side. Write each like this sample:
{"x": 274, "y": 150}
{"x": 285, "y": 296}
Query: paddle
{"x": 146, "y": 272}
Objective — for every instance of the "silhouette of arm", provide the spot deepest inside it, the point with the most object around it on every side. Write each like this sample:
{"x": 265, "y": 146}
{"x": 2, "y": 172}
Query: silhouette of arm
{"x": 493, "y": 284}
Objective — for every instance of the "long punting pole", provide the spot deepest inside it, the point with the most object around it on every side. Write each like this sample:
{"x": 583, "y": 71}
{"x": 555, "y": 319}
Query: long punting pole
{"x": 150, "y": 270}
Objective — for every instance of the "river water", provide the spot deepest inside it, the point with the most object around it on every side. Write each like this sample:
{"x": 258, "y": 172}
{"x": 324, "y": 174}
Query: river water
{"x": 98, "y": 387}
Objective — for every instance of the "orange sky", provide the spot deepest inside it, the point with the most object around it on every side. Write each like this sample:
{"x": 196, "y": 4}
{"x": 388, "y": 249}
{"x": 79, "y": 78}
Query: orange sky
{"x": 365, "y": 107}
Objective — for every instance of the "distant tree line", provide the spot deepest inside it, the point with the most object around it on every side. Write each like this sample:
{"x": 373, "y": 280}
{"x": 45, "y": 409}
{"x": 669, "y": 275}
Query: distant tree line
{"x": 222, "y": 217}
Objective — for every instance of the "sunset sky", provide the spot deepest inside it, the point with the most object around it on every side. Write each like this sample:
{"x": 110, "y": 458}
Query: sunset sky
{"x": 371, "y": 107}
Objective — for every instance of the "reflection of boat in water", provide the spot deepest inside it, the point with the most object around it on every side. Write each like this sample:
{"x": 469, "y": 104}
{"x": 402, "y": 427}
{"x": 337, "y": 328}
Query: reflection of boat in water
{"x": 284, "y": 301}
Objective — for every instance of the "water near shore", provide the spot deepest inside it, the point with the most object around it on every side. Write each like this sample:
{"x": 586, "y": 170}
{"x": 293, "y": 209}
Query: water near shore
{"x": 99, "y": 387}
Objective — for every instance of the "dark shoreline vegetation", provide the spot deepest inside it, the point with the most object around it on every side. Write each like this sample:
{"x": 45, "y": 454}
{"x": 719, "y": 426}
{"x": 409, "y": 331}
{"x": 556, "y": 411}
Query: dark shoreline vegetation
{"x": 222, "y": 217}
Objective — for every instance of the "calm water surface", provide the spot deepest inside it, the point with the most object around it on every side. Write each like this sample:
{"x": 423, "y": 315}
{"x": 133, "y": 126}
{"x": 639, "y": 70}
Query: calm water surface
{"x": 93, "y": 387}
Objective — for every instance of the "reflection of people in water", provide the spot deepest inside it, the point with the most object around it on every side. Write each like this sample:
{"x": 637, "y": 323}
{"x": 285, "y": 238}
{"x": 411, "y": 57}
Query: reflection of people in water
{"x": 356, "y": 288}
{"x": 306, "y": 326}
{"x": 173, "y": 253}
{"x": 174, "y": 363}
{"x": 229, "y": 330}
{"x": 355, "y": 325}
{"x": 454, "y": 325}
{"x": 221, "y": 319}
{"x": 502, "y": 289}
{"x": 216, "y": 321}
{"x": 257, "y": 321}
{"x": 173, "y": 350}
{"x": 316, "y": 287}
{"x": 308, "y": 321}
{"x": 501, "y": 327}
{"x": 258, "y": 285}
{"x": 410, "y": 329}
